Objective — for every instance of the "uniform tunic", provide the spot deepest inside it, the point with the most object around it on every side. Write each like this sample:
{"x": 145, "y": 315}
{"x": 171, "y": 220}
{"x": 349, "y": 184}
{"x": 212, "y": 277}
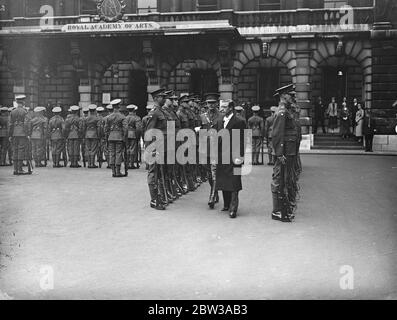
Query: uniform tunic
{"x": 134, "y": 124}
{"x": 38, "y": 129}
{"x": 91, "y": 135}
{"x": 56, "y": 127}
{"x": 4, "y": 143}
{"x": 73, "y": 132}
{"x": 116, "y": 132}
{"x": 18, "y": 132}
{"x": 256, "y": 124}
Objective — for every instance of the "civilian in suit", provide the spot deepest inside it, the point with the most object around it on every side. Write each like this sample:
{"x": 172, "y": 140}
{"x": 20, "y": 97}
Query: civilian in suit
{"x": 369, "y": 130}
{"x": 226, "y": 178}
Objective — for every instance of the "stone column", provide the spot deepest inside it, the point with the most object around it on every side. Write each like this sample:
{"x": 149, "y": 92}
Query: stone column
{"x": 226, "y": 91}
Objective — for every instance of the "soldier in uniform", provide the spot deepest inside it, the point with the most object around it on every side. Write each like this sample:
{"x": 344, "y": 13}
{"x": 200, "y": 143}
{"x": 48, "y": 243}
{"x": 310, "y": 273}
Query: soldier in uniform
{"x": 38, "y": 135}
{"x": 239, "y": 111}
{"x": 102, "y": 140}
{"x": 19, "y": 136}
{"x": 284, "y": 139}
{"x": 91, "y": 134}
{"x": 156, "y": 120}
{"x": 268, "y": 136}
{"x": 134, "y": 124}
{"x": 86, "y": 109}
{"x": 116, "y": 133}
{"x": 208, "y": 122}
{"x": 255, "y": 123}
{"x": 56, "y": 127}
{"x": 3, "y": 135}
{"x": 73, "y": 133}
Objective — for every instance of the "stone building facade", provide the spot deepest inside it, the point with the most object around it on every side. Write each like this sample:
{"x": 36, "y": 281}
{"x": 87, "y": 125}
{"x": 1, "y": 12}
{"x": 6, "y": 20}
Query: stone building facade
{"x": 72, "y": 52}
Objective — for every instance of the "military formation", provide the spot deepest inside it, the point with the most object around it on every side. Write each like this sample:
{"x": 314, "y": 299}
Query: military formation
{"x": 113, "y": 135}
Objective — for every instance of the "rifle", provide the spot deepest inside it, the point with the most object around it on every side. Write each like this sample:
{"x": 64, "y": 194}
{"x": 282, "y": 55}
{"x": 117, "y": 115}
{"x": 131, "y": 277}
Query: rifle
{"x": 262, "y": 151}
{"x": 47, "y": 151}
{"x": 285, "y": 204}
{"x": 162, "y": 182}
{"x": 64, "y": 154}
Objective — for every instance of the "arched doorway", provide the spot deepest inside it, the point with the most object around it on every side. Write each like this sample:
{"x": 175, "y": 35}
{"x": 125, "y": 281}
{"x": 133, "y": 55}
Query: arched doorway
{"x": 137, "y": 90}
{"x": 194, "y": 76}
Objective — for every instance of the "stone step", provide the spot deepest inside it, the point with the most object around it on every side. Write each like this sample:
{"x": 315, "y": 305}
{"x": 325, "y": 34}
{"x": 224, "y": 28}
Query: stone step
{"x": 320, "y": 147}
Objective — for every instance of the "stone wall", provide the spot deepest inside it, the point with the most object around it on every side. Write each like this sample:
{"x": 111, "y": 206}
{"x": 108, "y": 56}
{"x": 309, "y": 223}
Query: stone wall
{"x": 6, "y": 87}
{"x": 385, "y": 143}
{"x": 59, "y": 88}
{"x": 116, "y": 82}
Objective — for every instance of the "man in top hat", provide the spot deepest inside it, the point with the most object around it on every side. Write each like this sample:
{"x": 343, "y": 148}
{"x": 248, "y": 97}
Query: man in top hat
{"x": 3, "y": 135}
{"x": 268, "y": 136}
{"x": 285, "y": 141}
{"x": 369, "y": 130}
{"x": 19, "y": 135}
{"x": 255, "y": 123}
{"x": 38, "y": 135}
{"x": 227, "y": 178}
{"x": 209, "y": 121}
{"x": 116, "y": 133}
{"x": 134, "y": 124}
{"x": 56, "y": 127}
{"x": 156, "y": 120}
{"x": 74, "y": 133}
{"x": 91, "y": 135}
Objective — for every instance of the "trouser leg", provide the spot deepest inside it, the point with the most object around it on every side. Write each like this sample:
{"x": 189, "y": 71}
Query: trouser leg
{"x": 234, "y": 201}
{"x": 227, "y": 197}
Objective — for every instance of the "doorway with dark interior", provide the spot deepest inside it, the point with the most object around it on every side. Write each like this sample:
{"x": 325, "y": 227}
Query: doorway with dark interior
{"x": 203, "y": 81}
{"x": 138, "y": 91}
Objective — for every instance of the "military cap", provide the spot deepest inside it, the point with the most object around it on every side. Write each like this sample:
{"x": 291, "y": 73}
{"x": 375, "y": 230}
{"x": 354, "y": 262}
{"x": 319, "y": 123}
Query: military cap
{"x": 238, "y": 108}
{"x": 273, "y": 109}
{"x": 174, "y": 96}
{"x": 56, "y": 110}
{"x": 20, "y": 97}
{"x": 109, "y": 107}
{"x": 256, "y": 108}
{"x": 286, "y": 89}
{"x": 85, "y": 109}
{"x": 92, "y": 107}
{"x": 184, "y": 98}
{"x": 159, "y": 92}
{"x": 74, "y": 108}
{"x": 115, "y": 102}
{"x": 132, "y": 107}
{"x": 100, "y": 109}
{"x": 212, "y": 97}
{"x": 39, "y": 109}
{"x": 149, "y": 107}
{"x": 191, "y": 97}
{"x": 11, "y": 108}
{"x": 3, "y": 109}
{"x": 168, "y": 93}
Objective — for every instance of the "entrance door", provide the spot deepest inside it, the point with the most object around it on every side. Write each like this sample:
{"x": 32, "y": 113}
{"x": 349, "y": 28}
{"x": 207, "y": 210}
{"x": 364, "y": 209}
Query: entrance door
{"x": 268, "y": 82}
{"x": 334, "y": 84}
{"x": 203, "y": 81}
{"x": 138, "y": 90}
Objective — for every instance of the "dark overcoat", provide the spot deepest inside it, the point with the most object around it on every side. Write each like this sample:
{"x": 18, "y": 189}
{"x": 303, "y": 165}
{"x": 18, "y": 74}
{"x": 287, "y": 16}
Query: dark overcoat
{"x": 226, "y": 179}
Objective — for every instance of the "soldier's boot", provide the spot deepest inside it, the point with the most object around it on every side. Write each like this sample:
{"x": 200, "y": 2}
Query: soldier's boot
{"x": 113, "y": 170}
{"x": 20, "y": 170}
{"x": 93, "y": 163}
{"x": 118, "y": 172}
{"x": 276, "y": 212}
{"x": 15, "y": 168}
{"x": 54, "y": 161}
{"x": 155, "y": 202}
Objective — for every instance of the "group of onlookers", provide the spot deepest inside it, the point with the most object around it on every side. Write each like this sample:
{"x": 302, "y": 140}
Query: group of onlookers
{"x": 353, "y": 119}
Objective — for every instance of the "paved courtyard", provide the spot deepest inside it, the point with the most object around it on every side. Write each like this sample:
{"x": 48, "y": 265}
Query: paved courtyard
{"x": 101, "y": 240}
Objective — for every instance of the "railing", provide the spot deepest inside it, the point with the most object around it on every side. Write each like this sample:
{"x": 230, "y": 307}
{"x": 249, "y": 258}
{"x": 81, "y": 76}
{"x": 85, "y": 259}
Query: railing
{"x": 236, "y": 18}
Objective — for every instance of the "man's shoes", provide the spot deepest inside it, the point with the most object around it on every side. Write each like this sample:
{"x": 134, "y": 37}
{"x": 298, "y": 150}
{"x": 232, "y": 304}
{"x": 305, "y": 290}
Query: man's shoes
{"x": 233, "y": 214}
{"x": 225, "y": 209}
{"x": 157, "y": 206}
{"x": 276, "y": 216}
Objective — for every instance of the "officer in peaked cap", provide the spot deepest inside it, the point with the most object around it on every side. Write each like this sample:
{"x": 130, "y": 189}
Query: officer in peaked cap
{"x": 256, "y": 124}
{"x": 19, "y": 135}
{"x": 116, "y": 133}
{"x": 85, "y": 111}
{"x": 239, "y": 110}
{"x": 38, "y": 128}
{"x": 134, "y": 124}
{"x": 285, "y": 142}
{"x": 268, "y": 136}
{"x": 157, "y": 120}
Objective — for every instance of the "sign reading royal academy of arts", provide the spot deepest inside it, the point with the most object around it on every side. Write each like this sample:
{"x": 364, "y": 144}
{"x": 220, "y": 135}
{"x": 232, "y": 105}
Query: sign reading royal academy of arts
{"x": 111, "y": 27}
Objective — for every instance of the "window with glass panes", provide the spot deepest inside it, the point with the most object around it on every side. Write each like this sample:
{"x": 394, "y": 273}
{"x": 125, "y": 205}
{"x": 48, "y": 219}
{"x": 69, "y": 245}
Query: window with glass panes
{"x": 145, "y": 6}
{"x": 207, "y": 5}
{"x": 88, "y": 7}
{"x": 32, "y": 7}
{"x": 269, "y": 5}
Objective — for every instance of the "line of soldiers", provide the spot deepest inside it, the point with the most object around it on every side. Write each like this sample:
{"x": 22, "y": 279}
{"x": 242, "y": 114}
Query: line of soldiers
{"x": 26, "y": 134}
